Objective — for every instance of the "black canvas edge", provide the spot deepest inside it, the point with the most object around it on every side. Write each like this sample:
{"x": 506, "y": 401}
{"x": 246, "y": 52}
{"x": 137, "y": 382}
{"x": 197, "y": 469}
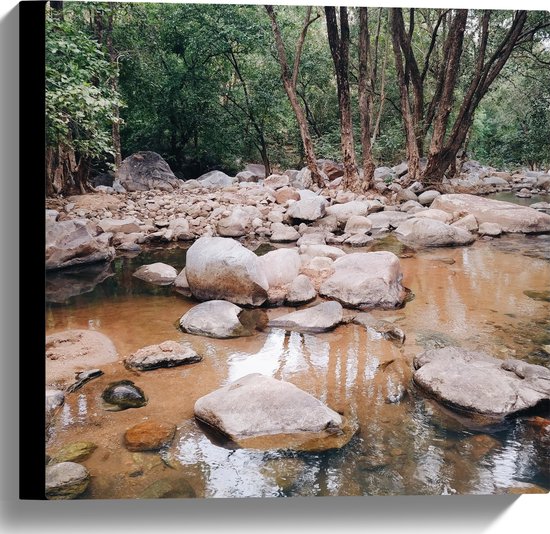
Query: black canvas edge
{"x": 32, "y": 226}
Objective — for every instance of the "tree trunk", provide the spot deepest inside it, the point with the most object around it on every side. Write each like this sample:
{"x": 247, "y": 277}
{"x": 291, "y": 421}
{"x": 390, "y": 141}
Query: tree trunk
{"x": 339, "y": 48}
{"x": 408, "y": 123}
{"x": 365, "y": 98}
{"x": 113, "y": 56}
{"x": 289, "y": 83}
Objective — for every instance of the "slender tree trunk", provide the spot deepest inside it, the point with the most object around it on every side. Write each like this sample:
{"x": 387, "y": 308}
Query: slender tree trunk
{"x": 365, "y": 98}
{"x": 339, "y": 48}
{"x": 413, "y": 156}
{"x": 113, "y": 56}
{"x": 289, "y": 83}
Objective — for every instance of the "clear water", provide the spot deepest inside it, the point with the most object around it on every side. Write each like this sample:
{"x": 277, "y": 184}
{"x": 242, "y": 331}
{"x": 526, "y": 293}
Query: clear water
{"x": 469, "y": 296}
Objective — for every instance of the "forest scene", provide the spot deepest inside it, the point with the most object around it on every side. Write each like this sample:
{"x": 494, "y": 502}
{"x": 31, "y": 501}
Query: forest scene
{"x": 296, "y": 251}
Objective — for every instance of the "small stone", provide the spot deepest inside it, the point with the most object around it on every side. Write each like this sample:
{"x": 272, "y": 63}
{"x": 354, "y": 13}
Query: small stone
{"x": 169, "y": 489}
{"x": 74, "y": 452}
{"x": 123, "y": 395}
{"x": 165, "y": 355}
{"x": 149, "y": 436}
{"x": 66, "y": 480}
{"x": 157, "y": 273}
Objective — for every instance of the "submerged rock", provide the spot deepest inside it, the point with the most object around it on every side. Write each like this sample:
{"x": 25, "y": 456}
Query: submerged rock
{"x": 164, "y": 355}
{"x": 320, "y": 318}
{"x": 149, "y": 436}
{"x": 478, "y": 383}
{"x": 71, "y": 351}
{"x": 66, "y": 480}
{"x": 74, "y": 452}
{"x": 123, "y": 395}
{"x": 218, "y": 319}
{"x": 168, "y": 488}
{"x": 220, "y": 268}
{"x": 159, "y": 274}
{"x": 366, "y": 280}
{"x": 258, "y": 405}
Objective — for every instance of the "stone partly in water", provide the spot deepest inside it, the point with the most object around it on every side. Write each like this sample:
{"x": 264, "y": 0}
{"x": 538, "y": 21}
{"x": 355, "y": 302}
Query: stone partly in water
{"x": 167, "y": 488}
{"x": 423, "y": 232}
{"x": 149, "y": 436}
{"x": 161, "y": 356}
{"x": 219, "y": 319}
{"x": 258, "y": 406}
{"x": 159, "y": 274}
{"x": 366, "y": 280}
{"x": 73, "y": 242}
{"x": 511, "y": 217}
{"x": 321, "y": 318}
{"x": 123, "y": 395}
{"x": 66, "y": 480}
{"x": 74, "y": 452}
{"x": 386, "y": 329}
{"x": 72, "y": 351}
{"x": 220, "y": 268}
{"x": 475, "y": 382}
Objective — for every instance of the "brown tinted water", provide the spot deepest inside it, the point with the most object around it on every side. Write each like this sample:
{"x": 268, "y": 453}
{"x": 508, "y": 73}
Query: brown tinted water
{"x": 473, "y": 297}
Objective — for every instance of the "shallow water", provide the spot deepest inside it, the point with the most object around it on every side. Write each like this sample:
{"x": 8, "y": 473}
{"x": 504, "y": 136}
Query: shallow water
{"x": 473, "y": 297}
{"x": 508, "y": 196}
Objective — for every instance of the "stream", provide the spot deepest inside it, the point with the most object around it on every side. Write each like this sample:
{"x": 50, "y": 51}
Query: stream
{"x": 488, "y": 296}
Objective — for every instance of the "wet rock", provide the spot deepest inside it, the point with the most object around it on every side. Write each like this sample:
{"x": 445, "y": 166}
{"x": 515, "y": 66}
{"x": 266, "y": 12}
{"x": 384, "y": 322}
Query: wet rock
{"x": 181, "y": 285}
{"x": 168, "y": 488}
{"x": 66, "y": 480}
{"x": 300, "y": 291}
{"x": 149, "y": 436}
{"x": 543, "y": 295}
{"x": 164, "y": 355}
{"x": 146, "y": 170}
{"x": 284, "y": 472}
{"x": 366, "y": 280}
{"x": 385, "y": 328}
{"x": 283, "y": 233}
{"x": 490, "y": 229}
{"x": 258, "y": 405}
{"x": 429, "y": 339}
{"x": 477, "y": 446}
{"x": 511, "y": 217}
{"x": 123, "y": 226}
{"x": 321, "y": 318}
{"x": 215, "y": 318}
{"x": 123, "y": 395}
{"x": 309, "y": 209}
{"x": 73, "y": 242}
{"x": 74, "y": 452}
{"x": 159, "y": 274}
{"x": 221, "y": 268}
{"x": 280, "y": 266}
{"x": 478, "y": 383}
{"x": 430, "y": 233}
{"x": 54, "y": 400}
{"x": 72, "y": 351}
{"x": 523, "y": 489}
{"x": 427, "y": 197}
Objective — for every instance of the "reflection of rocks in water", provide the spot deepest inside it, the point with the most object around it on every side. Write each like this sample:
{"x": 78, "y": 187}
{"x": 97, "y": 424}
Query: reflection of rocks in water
{"x": 62, "y": 285}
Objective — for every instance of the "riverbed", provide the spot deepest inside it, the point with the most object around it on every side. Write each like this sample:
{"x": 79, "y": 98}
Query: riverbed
{"x": 482, "y": 297}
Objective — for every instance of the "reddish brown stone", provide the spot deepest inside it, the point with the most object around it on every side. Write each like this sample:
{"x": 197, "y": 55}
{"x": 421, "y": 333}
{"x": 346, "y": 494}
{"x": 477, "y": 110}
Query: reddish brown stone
{"x": 285, "y": 194}
{"x": 149, "y": 436}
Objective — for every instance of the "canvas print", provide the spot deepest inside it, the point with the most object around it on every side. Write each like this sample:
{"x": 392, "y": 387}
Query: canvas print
{"x": 296, "y": 251}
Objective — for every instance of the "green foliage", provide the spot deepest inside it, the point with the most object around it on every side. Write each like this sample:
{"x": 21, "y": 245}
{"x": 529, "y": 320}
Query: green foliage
{"x": 79, "y": 101}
